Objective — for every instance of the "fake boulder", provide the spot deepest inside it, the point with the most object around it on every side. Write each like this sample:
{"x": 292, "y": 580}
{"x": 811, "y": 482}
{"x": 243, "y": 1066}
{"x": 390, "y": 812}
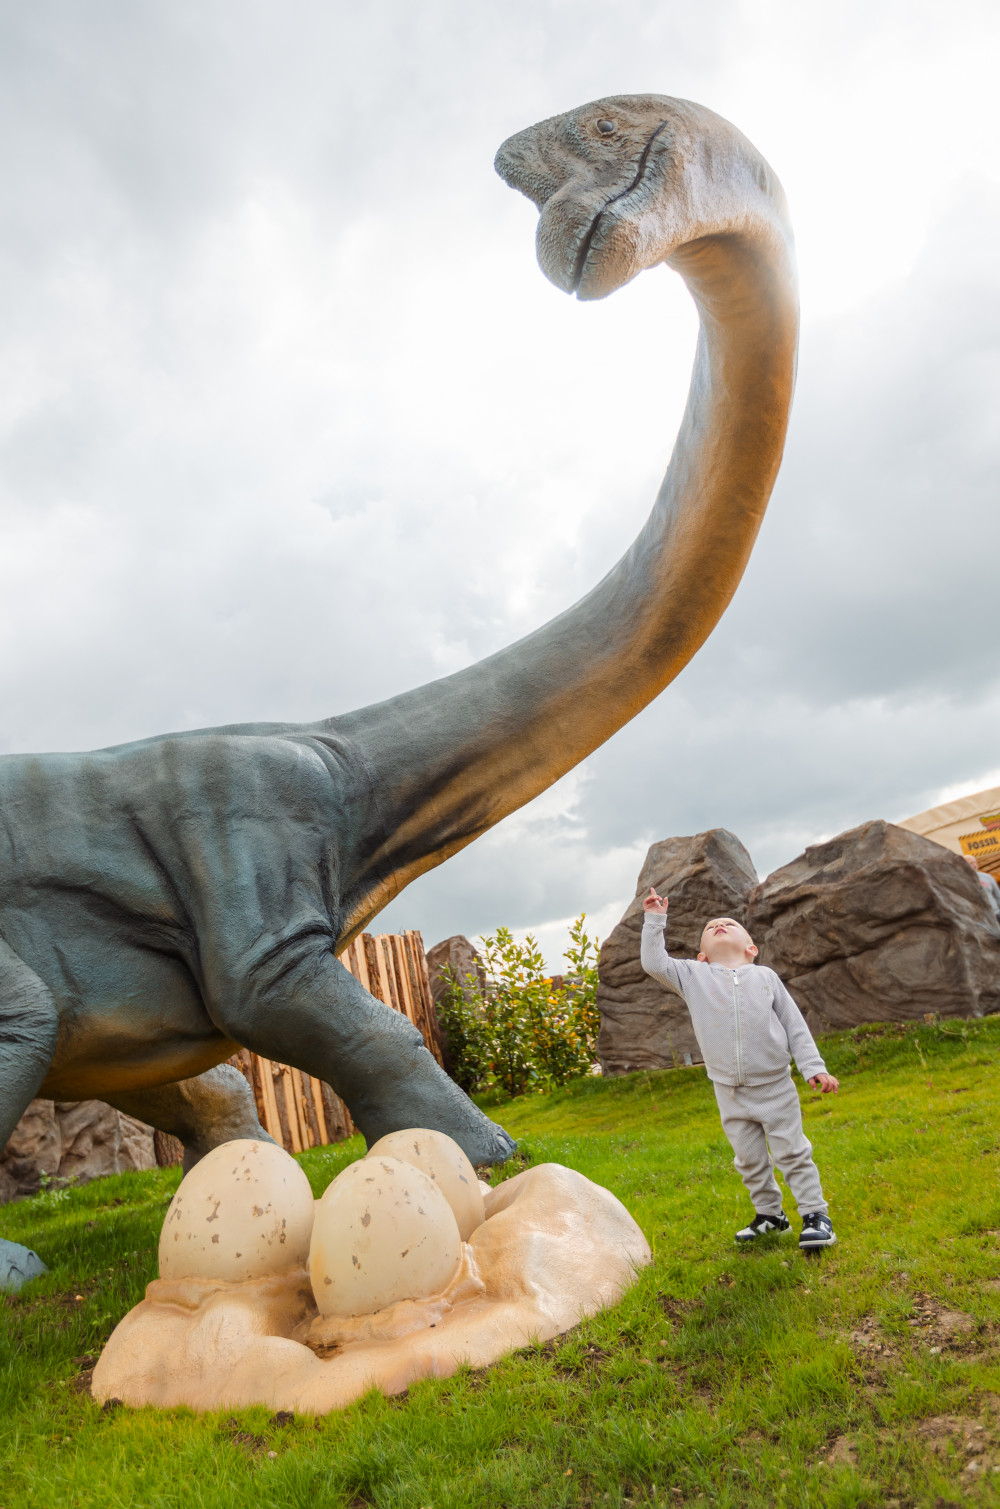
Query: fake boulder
{"x": 552, "y": 1248}
{"x": 879, "y": 925}
{"x": 644, "y": 1025}
{"x": 453, "y": 959}
{"x": 71, "y": 1142}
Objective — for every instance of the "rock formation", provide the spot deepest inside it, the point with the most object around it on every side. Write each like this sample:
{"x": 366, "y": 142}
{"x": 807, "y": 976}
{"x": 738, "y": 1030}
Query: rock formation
{"x": 644, "y": 1026}
{"x": 877, "y": 925}
{"x": 71, "y": 1141}
{"x": 458, "y": 954}
{"x": 465, "y": 963}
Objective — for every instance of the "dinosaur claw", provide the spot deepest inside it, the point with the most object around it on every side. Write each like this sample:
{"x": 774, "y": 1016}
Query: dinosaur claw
{"x": 505, "y": 1143}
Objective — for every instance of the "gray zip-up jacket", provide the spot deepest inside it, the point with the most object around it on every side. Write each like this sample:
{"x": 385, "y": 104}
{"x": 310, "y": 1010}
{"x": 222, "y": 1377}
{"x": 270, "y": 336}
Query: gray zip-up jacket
{"x": 747, "y": 1025}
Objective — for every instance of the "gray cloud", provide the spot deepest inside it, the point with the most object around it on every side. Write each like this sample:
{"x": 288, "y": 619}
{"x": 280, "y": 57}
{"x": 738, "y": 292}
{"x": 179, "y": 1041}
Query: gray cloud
{"x": 289, "y": 421}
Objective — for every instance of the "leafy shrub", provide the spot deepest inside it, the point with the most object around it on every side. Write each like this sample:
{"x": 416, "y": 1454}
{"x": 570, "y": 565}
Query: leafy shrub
{"x": 523, "y": 1028}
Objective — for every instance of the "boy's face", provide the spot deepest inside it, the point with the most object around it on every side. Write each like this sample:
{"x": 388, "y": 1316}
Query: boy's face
{"x": 725, "y": 941}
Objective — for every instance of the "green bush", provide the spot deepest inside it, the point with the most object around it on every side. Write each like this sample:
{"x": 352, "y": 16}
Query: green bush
{"x": 522, "y": 1029}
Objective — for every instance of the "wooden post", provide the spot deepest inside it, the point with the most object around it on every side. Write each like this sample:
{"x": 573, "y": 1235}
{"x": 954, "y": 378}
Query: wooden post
{"x": 316, "y": 1100}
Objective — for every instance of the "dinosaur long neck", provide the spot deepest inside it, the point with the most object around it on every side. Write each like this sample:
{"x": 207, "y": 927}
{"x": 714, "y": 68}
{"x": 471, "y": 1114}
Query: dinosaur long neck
{"x": 452, "y": 758}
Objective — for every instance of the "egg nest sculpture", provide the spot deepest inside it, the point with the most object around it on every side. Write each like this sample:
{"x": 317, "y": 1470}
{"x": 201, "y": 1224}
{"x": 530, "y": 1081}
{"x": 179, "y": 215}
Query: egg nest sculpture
{"x": 386, "y": 1279}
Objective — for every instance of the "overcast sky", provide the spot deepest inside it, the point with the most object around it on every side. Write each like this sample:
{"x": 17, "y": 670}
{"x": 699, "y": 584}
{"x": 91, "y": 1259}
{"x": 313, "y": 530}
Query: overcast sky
{"x": 290, "y": 420}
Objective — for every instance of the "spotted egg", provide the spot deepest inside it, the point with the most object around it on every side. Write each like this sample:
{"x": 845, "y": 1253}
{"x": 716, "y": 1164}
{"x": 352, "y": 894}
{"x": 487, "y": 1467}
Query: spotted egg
{"x": 441, "y": 1159}
{"x": 384, "y": 1231}
{"x": 243, "y": 1212}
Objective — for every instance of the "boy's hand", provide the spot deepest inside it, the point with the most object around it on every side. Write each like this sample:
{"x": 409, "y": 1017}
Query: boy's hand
{"x": 825, "y": 1082}
{"x": 654, "y": 903}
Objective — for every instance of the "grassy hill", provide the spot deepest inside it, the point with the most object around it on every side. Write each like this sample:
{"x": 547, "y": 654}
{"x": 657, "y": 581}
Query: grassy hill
{"x": 867, "y": 1376}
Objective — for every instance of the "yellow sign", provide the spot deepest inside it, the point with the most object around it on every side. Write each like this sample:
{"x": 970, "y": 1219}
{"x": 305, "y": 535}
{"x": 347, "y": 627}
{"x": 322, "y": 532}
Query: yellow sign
{"x": 984, "y": 845}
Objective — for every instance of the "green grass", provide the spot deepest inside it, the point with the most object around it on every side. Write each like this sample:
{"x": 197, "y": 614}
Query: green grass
{"x": 724, "y": 1376}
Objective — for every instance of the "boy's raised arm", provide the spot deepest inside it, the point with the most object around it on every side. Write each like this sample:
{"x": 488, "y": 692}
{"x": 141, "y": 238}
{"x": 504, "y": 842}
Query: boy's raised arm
{"x": 653, "y": 949}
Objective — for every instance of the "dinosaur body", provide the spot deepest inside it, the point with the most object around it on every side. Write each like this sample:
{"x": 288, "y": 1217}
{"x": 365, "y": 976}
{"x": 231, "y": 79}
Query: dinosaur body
{"x": 164, "y": 901}
{"x": 130, "y": 876}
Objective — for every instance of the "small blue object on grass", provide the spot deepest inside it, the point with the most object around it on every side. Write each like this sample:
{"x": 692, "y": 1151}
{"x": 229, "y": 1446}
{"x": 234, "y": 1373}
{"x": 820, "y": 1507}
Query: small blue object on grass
{"x": 18, "y": 1265}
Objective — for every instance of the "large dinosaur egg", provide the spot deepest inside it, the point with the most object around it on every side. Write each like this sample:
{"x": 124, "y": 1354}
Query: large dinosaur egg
{"x": 244, "y": 1211}
{"x": 441, "y": 1159}
{"x": 383, "y": 1232}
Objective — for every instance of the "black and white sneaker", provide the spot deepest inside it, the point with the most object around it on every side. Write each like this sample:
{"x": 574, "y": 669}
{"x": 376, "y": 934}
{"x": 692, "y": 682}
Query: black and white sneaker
{"x": 817, "y": 1231}
{"x": 763, "y": 1226}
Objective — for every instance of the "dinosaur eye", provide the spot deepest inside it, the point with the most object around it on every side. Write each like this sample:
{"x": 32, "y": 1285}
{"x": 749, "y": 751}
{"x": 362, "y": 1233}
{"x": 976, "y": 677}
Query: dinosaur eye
{"x": 605, "y": 127}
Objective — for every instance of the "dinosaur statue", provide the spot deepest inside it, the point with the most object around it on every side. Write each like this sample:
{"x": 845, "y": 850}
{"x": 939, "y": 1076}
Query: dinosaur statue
{"x": 164, "y": 901}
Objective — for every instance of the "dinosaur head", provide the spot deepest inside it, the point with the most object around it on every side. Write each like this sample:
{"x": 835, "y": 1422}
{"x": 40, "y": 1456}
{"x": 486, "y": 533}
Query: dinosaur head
{"x": 625, "y": 182}
{"x": 595, "y": 174}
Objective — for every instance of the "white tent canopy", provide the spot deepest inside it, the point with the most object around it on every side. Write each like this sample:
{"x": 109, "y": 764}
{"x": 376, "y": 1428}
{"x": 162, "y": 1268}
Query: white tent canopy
{"x": 969, "y": 825}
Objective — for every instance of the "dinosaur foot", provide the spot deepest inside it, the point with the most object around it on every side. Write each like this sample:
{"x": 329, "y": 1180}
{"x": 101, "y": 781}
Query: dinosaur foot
{"x": 496, "y": 1145}
{"x": 18, "y": 1265}
{"x": 425, "y": 1097}
{"x": 482, "y": 1141}
{"x": 446, "y": 1108}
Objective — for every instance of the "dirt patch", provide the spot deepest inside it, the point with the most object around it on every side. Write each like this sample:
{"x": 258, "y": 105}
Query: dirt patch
{"x": 938, "y": 1326}
{"x": 867, "y": 1340}
{"x": 934, "y": 1325}
{"x": 230, "y": 1430}
{"x": 678, "y": 1309}
{"x": 841, "y": 1452}
{"x": 942, "y": 1433}
{"x": 961, "y": 1438}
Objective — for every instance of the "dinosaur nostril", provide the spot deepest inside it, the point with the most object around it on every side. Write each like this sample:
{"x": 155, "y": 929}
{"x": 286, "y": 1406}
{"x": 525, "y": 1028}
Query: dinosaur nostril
{"x": 605, "y": 127}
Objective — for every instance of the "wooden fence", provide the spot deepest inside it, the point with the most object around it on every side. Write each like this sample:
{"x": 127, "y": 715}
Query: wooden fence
{"x": 393, "y": 968}
{"x": 300, "y": 1111}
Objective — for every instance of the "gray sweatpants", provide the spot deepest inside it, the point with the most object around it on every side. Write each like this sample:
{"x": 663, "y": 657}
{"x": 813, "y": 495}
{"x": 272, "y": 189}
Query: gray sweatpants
{"x": 769, "y": 1116}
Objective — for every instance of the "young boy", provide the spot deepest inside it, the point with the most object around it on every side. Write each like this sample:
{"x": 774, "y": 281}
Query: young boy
{"x": 749, "y": 1028}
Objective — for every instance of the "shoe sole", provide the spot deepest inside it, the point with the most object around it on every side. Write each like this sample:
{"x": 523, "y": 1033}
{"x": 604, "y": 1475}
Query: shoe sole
{"x": 815, "y": 1246}
{"x": 745, "y": 1241}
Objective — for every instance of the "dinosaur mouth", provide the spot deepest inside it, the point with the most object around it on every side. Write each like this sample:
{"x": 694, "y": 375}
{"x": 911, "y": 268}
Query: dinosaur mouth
{"x": 586, "y": 245}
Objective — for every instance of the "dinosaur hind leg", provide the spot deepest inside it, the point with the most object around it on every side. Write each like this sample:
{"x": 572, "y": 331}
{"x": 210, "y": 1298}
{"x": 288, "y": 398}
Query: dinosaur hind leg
{"x": 215, "y": 1107}
{"x": 29, "y": 1028}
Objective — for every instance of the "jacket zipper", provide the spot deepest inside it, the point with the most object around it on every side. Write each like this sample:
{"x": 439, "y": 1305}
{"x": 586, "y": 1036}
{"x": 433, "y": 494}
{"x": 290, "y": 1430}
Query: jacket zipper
{"x": 739, "y": 1028}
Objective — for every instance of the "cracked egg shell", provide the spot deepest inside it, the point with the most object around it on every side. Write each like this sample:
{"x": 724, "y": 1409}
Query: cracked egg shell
{"x": 441, "y": 1159}
{"x": 383, "y": 1232}
{"x": 243, "y": 1212}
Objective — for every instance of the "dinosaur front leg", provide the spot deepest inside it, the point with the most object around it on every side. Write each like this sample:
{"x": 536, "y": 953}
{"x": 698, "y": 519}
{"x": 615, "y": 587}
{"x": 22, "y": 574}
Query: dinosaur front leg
{"x": 29, "y": 1028}
{"x": 203, "y": 1112}
{"x": 304, "y": 1008}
